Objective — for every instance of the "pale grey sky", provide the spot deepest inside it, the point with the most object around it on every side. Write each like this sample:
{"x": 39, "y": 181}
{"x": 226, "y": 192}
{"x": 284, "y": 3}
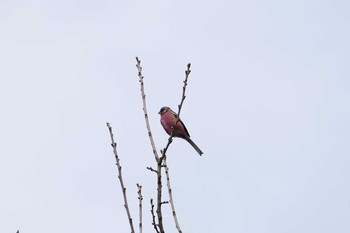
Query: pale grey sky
{"x": 267, "y": 102}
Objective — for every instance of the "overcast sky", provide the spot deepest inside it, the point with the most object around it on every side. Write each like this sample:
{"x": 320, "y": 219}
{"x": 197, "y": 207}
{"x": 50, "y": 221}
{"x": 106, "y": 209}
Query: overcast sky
{"x": 267, "y": 102}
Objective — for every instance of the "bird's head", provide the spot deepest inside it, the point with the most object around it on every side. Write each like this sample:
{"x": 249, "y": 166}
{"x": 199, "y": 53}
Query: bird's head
{"x": 163, "y": 110}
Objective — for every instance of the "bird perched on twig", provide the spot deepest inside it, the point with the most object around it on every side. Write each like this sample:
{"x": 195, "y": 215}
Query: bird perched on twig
{"x": 175, "y": 127}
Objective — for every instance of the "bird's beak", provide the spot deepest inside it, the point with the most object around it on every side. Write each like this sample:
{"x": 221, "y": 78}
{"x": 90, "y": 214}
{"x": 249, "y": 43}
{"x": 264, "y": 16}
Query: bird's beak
{"x": 159, "y": 112}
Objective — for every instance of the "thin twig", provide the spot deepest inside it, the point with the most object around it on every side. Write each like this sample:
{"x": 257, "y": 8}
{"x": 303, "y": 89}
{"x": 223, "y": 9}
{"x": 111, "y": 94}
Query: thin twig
{"x": 151, "y": 169}
{"x": 153, "y": 217}
{"x": 187, "y": 72}
{"x": 114, "y": 145}
{"x": 139, "y": 187}
{"x": 170, "y": 140}
{"x": 139, "y": 69}
{"x": 171, "y": 200}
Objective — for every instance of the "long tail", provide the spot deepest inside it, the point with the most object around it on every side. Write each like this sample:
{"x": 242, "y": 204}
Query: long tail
{"x": 194, "y": 145}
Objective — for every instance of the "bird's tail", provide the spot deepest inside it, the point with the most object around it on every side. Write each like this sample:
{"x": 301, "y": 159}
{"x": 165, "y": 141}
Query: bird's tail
{"x": 194, "y": 145}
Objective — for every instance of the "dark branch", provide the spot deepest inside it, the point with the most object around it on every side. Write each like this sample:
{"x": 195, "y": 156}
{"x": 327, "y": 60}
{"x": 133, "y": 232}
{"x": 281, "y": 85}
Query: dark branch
{"x": 153, "y": 217}
{"x": 151, "y": 169}
{"x": 139, "y": 188}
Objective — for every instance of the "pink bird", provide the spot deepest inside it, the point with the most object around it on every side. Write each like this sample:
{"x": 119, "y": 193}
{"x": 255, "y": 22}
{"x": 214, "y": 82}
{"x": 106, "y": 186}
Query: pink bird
{"x": 168, "y": 119}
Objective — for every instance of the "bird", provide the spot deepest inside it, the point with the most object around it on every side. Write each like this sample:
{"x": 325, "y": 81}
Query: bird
{"x": 175, "y": 127}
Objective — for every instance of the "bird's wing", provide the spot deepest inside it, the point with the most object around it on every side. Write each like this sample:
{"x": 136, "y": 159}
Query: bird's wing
{"x": 180, "y": 122}
{"x": 175, "y": 114}
{"x": 184, "y": 128}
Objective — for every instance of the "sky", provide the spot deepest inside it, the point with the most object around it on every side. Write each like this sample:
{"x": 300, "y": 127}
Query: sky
{"x": 267, "y": 102}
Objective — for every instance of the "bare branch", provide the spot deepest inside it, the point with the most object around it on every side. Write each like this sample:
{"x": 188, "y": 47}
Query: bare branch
{"x": 139, "y": 68}
{"x": 114, "y": 145}
{"x": 139, "y": 187}
{"x": 171, "y": 200}
{"x": 153, "y": 217}
{"x": 187, "y": 72}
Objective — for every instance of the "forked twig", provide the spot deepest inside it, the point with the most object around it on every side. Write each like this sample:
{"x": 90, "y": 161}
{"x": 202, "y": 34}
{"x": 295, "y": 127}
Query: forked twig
{"x": 161, "y": 161}
{"x": 114, "y": 145}
{"x": 151, "y": 169}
